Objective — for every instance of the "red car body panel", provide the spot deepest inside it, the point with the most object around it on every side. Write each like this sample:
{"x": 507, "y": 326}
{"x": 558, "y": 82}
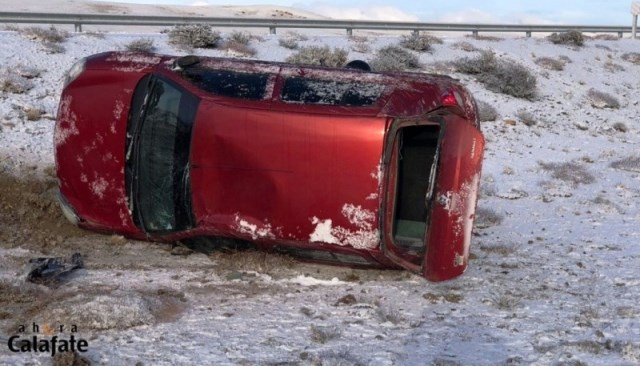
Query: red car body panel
{"x": 280, "y": 174}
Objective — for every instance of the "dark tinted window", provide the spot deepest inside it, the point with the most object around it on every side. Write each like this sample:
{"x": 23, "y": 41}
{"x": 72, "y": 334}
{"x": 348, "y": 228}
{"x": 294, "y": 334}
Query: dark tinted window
{"x": 228, "y": 83}
{"x": 160, "y": 142}
{"x": 342, "y": 93}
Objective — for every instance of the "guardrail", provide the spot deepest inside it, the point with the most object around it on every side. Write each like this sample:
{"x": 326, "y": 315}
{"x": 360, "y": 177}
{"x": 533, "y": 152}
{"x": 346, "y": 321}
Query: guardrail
{"x": 78, "y": 20}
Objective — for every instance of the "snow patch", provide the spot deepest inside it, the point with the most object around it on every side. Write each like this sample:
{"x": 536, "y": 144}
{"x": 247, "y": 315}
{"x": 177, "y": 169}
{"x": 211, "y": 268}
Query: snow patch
{"x": 67, "y": 125}
{"x": 303, "y": 280}
{"x": 99, "y": 186}
{"x": 366, "y": 236}
{"x": 256, "y": 231}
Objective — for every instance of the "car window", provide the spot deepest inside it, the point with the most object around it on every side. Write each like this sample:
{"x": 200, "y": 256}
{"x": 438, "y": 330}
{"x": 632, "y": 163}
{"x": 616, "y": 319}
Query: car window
{"x": 331, "y": 92}
{"x": 162, "y": 199}
{"x": 234, "y": 84}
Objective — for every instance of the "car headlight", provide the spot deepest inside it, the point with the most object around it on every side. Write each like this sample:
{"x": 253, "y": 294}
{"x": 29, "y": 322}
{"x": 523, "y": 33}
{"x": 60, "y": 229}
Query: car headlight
{"x": 67, "y": 210}
{"x": 74, "y": 71}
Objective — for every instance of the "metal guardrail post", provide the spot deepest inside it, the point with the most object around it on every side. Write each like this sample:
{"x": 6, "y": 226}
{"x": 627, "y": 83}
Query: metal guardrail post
{"x": 77, "y": 27}
{"x": 634, "y": 27}
{"x": 349, "y": 32}
{"x": 272, "y": 30}
{"x": 528, "y": 34}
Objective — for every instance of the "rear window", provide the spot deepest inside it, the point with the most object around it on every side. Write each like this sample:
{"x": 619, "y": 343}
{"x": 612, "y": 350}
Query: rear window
{"x": 341, "y": 93}
{"x": 227, "y": 83}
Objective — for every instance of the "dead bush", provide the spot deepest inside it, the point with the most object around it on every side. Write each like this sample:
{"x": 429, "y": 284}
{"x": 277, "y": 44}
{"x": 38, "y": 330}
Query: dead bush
{"x": 613, "y": 67}
{"x": 33, "y": 114}
{"x": 50, "y": 35}
{"x": 322, "y": 56}
{"x": 420, "y": 42}
{"x": 486, "y": 217}
{"x": 141, "y": 45}
{"x": 53, "y": 48}
{"x": 568, "y": 172}
{"x": 601, "y": 100}
{"x": 361, "y": 46}
{"x": 12, "y": 83}
{"x": 394, "y": 58}
{"x": 550, "y": 63}
{"x": 297, "y": 36}
{"x": 630, "y": 163}
{"x": 239, "y": 49}
{"x": 190, "y": 36}
{"x": 483, "y": 63}
{"x": 633, "y": 57}
{"x": 323, "y": 334}
{"x": 527, "y": 118}
{"x": 572, "y": 38}
{"x": 486, "y": 112}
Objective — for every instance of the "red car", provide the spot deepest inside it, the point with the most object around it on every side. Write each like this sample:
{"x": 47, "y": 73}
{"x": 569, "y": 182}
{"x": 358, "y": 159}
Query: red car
{"x": 332, "y": 165}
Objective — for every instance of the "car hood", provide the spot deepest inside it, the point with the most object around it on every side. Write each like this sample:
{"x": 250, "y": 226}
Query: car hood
{"x": 89, "y": 144}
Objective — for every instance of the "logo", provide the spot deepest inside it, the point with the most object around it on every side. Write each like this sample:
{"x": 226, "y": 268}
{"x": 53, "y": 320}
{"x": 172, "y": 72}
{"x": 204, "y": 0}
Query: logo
{"x": 65, "y": 341}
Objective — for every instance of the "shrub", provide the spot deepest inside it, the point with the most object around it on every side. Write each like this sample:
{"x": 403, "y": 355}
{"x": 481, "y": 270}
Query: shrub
{"x": 240, "y": 37}
{"x": 465, "y": 46}
{"x": 527, "y": 118}
{"x": 189, "y": 36}
{"x": 483, "y": 63}
{"x": 290, "y": 43}
{"x": 601, "y": 100}
{"x": 316, "y": 55}
{"x": 394, "y": 58}
{"x": 613, "y": 67}
{"x": 486, "y": 112}
{"x": 33, "y": 114}
{"x": 620, "y": 127}
{"x": 633, "y": 57}
{"x": 486, "y": 38}
{"x": 572, "y": 37}
{"x": 630, "y": 163}
{"x": 419, "y": 42}
{"x": 569, "y": 172}
{"x": 550, "y": 63}
{"x": 141, "y": 45}
{"x": 512, "y": 79}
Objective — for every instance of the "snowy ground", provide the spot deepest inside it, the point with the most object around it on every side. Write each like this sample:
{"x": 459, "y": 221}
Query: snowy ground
{"x": 555, "y": 281}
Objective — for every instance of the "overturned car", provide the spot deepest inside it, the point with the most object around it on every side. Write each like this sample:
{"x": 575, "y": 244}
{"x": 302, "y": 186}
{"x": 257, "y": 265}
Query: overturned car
{"x": 330, "y": 165}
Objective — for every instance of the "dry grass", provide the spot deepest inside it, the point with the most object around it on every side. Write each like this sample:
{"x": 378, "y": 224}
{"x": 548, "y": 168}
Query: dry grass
{"x": 240, "y": 37}
{"x": 613, "y": 67}
{"x": 361, "y": 46}
{"x": 252, "y": 260}
{"x": 606, "y": 37}
{"x": 569, "y": 172}
{"x": 501, "y": 250}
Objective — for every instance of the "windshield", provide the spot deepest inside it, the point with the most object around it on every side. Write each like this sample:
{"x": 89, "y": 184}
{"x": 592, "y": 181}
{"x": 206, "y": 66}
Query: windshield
{"x": 158, "y": 155}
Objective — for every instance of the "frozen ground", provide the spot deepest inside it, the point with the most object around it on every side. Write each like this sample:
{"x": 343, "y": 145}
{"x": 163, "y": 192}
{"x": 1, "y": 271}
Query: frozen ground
{"x": 553, "y": 279}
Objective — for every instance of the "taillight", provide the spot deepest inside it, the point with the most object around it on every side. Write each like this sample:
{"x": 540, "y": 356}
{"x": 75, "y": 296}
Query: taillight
{"x": 452, "y": 99}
